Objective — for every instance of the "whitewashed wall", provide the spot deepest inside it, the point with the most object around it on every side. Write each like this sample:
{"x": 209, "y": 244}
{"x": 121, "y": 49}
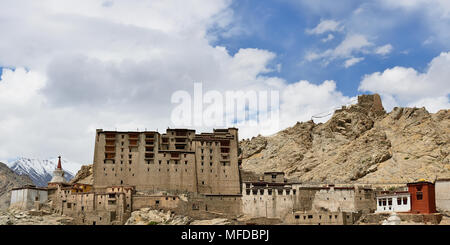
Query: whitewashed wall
{"x": 442, "y": 189}
{"x": 394, "y": 207}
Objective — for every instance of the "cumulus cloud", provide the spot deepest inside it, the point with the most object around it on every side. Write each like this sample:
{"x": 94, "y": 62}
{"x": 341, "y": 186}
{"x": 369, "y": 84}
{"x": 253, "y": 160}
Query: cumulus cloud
{"x": 403, "y": 86}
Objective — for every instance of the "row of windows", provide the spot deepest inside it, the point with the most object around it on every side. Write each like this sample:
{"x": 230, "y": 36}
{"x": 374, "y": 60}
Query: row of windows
{"x": 269, "y": 191}
{"x": 388, "y": 201}
{"x": 320, "y": 216}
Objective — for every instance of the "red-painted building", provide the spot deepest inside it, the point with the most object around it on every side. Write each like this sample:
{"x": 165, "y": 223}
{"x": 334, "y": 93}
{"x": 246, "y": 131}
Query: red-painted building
{"x": 422, "y": 197}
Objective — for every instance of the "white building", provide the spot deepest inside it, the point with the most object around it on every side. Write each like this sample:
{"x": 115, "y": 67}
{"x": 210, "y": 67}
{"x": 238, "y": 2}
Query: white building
{"x": 442, "y": 190}
{"x": 27, "y": 197}
{"x": 388, "y": 202}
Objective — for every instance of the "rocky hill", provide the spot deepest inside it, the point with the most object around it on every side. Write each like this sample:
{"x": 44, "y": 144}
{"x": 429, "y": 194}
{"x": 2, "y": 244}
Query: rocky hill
{"x": 360, "y": 143}
{"x": 9, "y": 180}
{"x": 84, "y": 175}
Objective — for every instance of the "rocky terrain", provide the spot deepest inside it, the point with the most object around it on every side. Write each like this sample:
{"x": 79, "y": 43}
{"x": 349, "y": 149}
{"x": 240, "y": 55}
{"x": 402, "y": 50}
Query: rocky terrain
{"x": 360, "y": 143}
{"x": 84, "y": 175}
{"x": 147, "y": 216}
{"x": 9, "y": 180}
{"x": 33, "y": 217}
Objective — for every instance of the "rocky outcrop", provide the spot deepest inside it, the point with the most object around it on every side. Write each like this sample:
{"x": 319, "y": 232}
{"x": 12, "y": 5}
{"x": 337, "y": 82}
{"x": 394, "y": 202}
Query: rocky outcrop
{"x": 33, "y": 217}
{"x": 147, "y": 216}
{"x": 84, "y": 175}
{"x": 9, "y": 180}
{"x": 360, "y": 143}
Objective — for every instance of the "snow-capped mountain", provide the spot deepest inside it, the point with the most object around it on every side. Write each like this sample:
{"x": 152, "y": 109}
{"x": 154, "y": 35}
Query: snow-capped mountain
{"x": 41, "y": 171}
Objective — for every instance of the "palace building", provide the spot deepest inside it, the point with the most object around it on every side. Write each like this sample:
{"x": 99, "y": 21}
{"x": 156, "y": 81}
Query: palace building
{"x": 176, "y": 161}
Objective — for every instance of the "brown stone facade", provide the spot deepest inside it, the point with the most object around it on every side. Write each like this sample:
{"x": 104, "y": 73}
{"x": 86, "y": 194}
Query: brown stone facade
{"x": 177, "y": 161}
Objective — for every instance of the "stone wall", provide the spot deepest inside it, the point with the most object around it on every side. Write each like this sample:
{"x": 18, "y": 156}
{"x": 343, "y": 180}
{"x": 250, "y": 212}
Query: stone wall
{"x": 269, "y": 203}
{"x": 322, "y": 218}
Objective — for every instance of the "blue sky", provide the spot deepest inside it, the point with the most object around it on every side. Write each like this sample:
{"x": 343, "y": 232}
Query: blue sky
{"x": 279, "y": 26}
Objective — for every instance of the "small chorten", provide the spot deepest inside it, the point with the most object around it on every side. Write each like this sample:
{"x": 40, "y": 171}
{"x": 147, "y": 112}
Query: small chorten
{"x": 58, "y": 174}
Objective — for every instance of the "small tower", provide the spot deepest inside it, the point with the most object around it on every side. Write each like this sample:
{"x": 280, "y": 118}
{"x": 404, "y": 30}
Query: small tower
{"x": 58, "y": 174}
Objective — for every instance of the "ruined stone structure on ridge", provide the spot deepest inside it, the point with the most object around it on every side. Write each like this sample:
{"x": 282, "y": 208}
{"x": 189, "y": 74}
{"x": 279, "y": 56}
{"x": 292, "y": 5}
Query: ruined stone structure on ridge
{"x": 177, "y": 161}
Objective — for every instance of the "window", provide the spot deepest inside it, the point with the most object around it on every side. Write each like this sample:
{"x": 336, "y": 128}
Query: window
{"x": 399, "y": 201}
{"x": 419, "y": 195}
{"x": 310, "y": 216}
{"x": 390, "y": 201}
{"x": 297, "y": 216}
{"x": 405, "y": 200}
{"x": 384, "y": 201}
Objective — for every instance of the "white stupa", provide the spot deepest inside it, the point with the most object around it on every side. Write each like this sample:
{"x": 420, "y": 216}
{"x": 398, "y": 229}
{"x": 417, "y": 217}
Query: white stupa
{"x": 58, "y": 174}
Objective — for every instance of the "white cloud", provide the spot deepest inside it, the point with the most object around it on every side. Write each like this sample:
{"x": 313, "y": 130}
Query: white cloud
{"x": 352, "y": 61}
{"x": 302, "y": 100}
{"x": 328, "y": 38}
{"x": 325, "y": 26}
{"x": 403, "y": 86}
{"x": 384, "y": 50}
{"x": 352, "y": 44}
{"x": 114, "y": 65}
